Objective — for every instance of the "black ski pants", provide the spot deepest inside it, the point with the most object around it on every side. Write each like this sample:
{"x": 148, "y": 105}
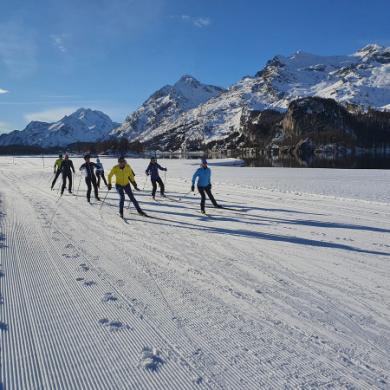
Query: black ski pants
{"x": 154, "y": 185}
{"x": 121, "y": 191}
{"x": 91, "y": 181}
{"x": 55, "y": 178}
{"x": 203, "y": 191}
{"x": 66, "y": 175}
{"x": 99, "y": 176}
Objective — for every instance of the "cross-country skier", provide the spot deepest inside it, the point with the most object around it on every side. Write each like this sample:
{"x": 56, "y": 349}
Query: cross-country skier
{"x": 90, "y": 178}
{"x": 155, "y": 178}
{"x": 66, "y": 169}
{"x": 123, "y": 176}
{"x": 100, "y": 173}
{"x": 203, "y": 174}
{"x": 57, "y": 170}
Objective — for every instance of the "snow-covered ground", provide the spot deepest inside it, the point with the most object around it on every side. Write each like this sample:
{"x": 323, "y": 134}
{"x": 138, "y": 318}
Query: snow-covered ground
{"x": 292, "y": 291}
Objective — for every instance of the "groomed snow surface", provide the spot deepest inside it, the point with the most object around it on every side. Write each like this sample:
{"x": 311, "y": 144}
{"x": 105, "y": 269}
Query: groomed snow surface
{"x": 292, "y": 291}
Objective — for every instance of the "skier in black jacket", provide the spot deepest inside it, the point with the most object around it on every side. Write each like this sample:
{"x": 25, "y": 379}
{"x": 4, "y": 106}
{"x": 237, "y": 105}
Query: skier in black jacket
{"x": 66, "y": 169}
{"x": 90, "y": 178}
{"x": 152, "y": 170}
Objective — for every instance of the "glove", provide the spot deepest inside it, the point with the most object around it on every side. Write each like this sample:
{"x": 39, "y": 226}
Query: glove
{"x": 109, "y": 186}
{"x": 54, "y": 172}
{"x": 192, "y": 188}
{"x": 135, "y": 186}
{"x": 147, "y": 173}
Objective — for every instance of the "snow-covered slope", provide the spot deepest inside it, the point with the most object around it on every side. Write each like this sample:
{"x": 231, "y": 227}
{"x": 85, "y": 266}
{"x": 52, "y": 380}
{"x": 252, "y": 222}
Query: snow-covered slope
{"x": 84, "y": 125}
{"x": 362, "y": 78}
{"x": 165, "y": 105}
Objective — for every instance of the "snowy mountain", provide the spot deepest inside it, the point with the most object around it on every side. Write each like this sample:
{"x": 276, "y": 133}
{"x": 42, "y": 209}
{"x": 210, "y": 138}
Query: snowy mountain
{"x": 165, "y": 106}
{"x": 362, "y": 78}
{"x": 84, "y": 125}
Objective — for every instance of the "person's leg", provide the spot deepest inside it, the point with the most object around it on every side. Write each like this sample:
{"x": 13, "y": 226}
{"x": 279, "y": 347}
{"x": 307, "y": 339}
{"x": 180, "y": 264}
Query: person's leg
{"x": 63, "y": 183}
{"x": 98, "y": 179}
{"x": 203, "y": 198}
{"x": 211, "y": 197}
{"x": 162, "y": 187}
{"x": 89, "y": 188}
{"x": 154, "y": 185}
{"x": 70, "y": 182}
{"x": 129, "y": 193}
{"x": 95, "y": 188}
{"x": 55, "y": 178}
{"x": 121, "y": 198}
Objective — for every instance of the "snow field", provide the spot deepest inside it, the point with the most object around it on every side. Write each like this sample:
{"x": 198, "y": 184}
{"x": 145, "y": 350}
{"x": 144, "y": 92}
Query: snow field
{"x": 291, "y": 291}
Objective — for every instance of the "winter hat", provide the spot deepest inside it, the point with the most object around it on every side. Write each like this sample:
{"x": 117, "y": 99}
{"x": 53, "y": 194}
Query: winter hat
{"x": 66, "y": 155}
{"x": 98, "y": 160}
{"x": 60, "y": 155}
{"x": 87, "y": 156}
{"x": 204, "y": 161}
{"x": 121, "y": 159}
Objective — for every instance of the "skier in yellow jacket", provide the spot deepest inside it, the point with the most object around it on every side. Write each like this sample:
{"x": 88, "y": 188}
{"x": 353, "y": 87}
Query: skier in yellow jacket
{"x": 57, "y": 170}
{"x": 123, "y": 176}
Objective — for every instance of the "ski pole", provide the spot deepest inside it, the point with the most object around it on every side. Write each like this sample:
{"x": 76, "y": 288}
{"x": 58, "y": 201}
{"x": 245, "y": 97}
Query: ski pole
{"x": 78, "y": 187}
{"x": 59, "y": 186}
{"x": 146, "y": 178}
{"x": 105, "y": 197}
{"x": 187, "y": 193}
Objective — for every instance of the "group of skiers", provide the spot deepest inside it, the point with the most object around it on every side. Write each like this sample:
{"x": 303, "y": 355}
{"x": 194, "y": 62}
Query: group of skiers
{"x": 124, "y": 176}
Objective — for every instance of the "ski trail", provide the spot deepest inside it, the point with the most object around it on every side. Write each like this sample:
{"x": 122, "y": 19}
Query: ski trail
{"x": 290, "y": 292}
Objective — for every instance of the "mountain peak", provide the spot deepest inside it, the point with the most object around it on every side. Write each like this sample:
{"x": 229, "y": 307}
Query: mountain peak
{"x": 188, "y": 80}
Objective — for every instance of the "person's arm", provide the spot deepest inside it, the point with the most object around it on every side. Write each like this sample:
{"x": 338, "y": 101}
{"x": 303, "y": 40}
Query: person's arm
{"x": 161, "y": 168}
{"x": 55, "y": 167}
{"x": 82, "y": 167}
{"x": 72, "y": 166}
{"x": 196, "y": 174}
{"x": 109, "y": 178}
{"x": 148, "y": 170}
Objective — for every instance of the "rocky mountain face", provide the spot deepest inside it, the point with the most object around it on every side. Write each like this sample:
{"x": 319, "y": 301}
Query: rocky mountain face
{"x": 314, "y": 123}
{"x": 84, "y": 125}
{"x": 360, "y": 81}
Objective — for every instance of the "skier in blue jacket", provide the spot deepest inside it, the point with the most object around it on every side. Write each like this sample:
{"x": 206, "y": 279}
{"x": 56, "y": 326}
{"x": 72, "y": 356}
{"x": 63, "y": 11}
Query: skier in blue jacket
{"x": 99, "y": 170}
{"x": 203, "y": 174}
{"x": 155, "y": 178}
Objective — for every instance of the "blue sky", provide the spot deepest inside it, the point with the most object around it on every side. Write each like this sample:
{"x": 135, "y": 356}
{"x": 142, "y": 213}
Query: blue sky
{"x": 59, "y": 55}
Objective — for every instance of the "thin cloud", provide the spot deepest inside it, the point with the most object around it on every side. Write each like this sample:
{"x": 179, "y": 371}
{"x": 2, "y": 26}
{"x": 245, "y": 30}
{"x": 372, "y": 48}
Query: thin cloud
{"x": 58, "y": 41}
{"x": 199, "y": 22}
{"x": 4, "y": 127}
{"x": 3, "y": 91}
{"x": 52, "y": 115}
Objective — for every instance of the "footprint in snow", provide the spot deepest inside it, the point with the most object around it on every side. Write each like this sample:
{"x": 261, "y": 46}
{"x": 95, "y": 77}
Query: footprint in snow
{"x": 151, "y": 359}
{"x": 113, "y": 326}
{"x": 84, "y": 267}
{"x": 109, "y": 297}
{"x": 89, "y": 283}
{"x": 79, "y": 279}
